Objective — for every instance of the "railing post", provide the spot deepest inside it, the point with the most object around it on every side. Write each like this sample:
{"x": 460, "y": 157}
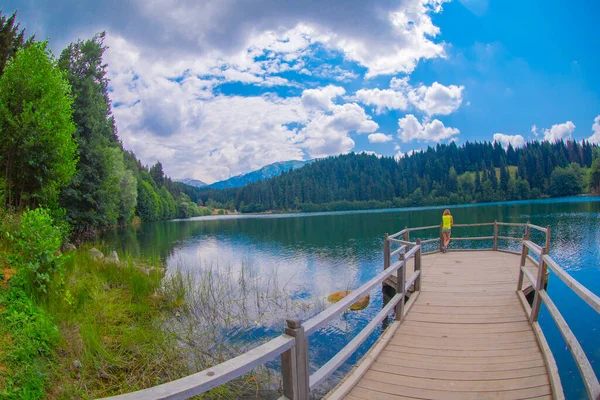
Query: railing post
{"x": 495, "y": 235}
{"x": 524, "y": 252}
{"x": 441, "y": 237}
{"x": 294, "y": 363}
{"x": 539, "y": 285}
{"x": 386, "y": 252}
{"x": 406, "y": 234}
{"x": 418, "y": 266}
{"x": 400, "y": 288}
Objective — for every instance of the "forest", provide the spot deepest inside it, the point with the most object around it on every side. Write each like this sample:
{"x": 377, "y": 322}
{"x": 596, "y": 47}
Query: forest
{"x": 444, "y": 174}
{"x": 60, "y": 146}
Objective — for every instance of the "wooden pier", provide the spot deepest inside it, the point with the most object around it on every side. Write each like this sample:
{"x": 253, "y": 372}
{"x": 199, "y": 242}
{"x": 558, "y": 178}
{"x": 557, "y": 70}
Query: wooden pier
{"x": 466, "y": 336}
{"x": 463, "y": 329}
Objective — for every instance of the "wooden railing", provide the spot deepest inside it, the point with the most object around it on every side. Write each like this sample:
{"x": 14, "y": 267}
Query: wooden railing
{"x": 543, "y": 262}
{"x": 292, "y": 346}
{"x": 538, "y": 283}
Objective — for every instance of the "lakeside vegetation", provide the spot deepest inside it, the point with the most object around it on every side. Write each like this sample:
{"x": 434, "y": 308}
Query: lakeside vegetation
{"x": 91, "y": 327}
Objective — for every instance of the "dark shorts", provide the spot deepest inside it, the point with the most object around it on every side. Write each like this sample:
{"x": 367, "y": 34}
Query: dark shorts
{"x": 447, "y": 230}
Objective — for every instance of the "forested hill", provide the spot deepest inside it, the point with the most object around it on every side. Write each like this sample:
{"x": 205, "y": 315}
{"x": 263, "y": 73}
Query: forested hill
{"x": 445, "y": 174}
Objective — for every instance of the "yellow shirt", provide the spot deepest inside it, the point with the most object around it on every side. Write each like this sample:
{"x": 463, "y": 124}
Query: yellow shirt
{"x": 446, "y": 221}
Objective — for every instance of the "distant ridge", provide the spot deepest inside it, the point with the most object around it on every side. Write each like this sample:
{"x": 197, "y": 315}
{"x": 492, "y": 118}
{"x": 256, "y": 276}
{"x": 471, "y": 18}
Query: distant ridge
{"x": 264, "y": 173}
{"x": 192, "y": 182}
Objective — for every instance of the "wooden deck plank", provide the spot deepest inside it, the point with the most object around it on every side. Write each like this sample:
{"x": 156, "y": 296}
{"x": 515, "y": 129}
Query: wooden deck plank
{"x": 494, "y": 385}
{"x": 466, "y": 337}
{"x": 390, "y": 389}
{"x": 448, "y": 358}
{"x": 458, "y": 375}
{"x": 426, "y": 342}
{"x": 408, "y": 361}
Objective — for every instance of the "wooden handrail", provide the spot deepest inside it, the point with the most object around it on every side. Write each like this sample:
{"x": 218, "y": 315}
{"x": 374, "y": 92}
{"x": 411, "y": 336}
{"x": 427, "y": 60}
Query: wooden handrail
{"x": 203, "y": 381}
{"x": 537, "y": 250}
{"x": 399, "y": 250}
{"x": 474, "y": 238}
{"x": 538, "y": 283}
{"x": 539, "y": 228}
{"x": 471, "y": 225}
{"x": 585, "y": 368}
{"x": 583, "y": 292}
{"x": 511, "y": 224}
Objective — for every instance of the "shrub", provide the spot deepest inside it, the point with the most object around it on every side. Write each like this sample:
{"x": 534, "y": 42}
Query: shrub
{"x": 37, "y": 249}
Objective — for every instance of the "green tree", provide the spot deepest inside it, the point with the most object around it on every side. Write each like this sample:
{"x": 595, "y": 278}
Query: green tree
{"x": 170, "y": 205}
{"x": 157, "y": 174}
{"x": 594, "y": 177}
{"x": 11, "y": 38}
{"x": 37, "y": 151}
{"x": 94, "y": 199}
{"x": 147, "y": 202}
{"x": 565, "y": 182}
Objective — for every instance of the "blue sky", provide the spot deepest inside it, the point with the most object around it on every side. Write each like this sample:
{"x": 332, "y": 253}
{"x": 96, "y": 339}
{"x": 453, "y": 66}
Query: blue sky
{"x": 217, "y": 88}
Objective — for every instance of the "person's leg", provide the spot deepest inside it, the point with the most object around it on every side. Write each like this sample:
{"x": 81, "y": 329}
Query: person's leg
{"x": 448, "y": 239}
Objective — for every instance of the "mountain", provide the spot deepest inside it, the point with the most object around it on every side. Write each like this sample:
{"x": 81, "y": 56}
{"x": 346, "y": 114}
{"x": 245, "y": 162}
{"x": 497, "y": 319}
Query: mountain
{"x": 262, "y": 174}
{"x": 192, "y": 182}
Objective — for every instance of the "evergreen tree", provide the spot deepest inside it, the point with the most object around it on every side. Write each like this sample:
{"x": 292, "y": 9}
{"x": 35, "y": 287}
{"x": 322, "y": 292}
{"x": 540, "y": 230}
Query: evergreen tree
{"x": 94, "y": 199}
{"x": 11, "y": 38}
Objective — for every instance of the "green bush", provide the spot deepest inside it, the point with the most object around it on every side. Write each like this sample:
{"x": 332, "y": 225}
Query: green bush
{"x": 37, "y": 249}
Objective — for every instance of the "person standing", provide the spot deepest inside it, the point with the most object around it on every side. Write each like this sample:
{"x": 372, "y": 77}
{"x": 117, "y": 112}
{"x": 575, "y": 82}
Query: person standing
{"x": 447, "y": 222}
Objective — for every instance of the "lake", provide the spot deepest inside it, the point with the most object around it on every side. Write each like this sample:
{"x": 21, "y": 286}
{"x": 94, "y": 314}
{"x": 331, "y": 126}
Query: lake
{"x": 309, "y": 256}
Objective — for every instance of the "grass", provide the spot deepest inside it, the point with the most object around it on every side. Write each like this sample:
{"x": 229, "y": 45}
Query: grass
{"x": 96, "y": 335}
{"x": 102, "y": 329}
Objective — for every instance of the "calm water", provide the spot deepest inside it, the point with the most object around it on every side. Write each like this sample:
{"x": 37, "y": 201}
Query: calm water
{"x": 313, "y": 255}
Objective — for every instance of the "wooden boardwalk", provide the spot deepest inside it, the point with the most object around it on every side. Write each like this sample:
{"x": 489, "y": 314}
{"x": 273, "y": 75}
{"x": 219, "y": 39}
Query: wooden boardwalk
{"x": 466, "y": 336}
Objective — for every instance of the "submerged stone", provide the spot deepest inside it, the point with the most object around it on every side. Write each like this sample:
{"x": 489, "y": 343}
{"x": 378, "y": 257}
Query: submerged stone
{"x": 361, "y": 304}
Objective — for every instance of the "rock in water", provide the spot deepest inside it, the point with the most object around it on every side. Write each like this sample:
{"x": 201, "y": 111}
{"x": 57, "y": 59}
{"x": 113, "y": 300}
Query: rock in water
{"x": 112, "y": 258}
{"x": 361, "y": 304}
{"x": 97, "y": 254}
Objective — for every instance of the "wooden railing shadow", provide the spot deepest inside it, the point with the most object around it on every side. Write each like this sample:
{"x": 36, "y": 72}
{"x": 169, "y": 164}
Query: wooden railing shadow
{"x": 292, "y": 347}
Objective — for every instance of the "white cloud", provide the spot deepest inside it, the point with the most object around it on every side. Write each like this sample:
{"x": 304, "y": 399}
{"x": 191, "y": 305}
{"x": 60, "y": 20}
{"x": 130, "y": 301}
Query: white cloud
{"x": 559, "y": 131}
{"x": 505, "y": 140}
{"x": 436, "y": 99}
{"x": 321, "y": 98}
{"x": 327, "y": 134}
{"x": 382, "y": 99}
{"x": 393, "y": 38}
{"x": 379, "y": 138}
{"x": 534, "y": 130}
{"x": 595, "y": 138}
{"x": 411, "y": 129}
